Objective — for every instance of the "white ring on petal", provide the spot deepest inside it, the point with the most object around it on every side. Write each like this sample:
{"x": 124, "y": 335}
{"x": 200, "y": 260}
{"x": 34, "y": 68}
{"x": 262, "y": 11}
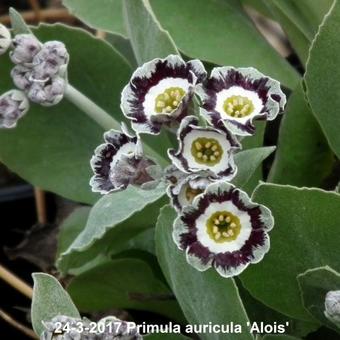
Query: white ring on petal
{"x": 196, "y": 261}
{"x": 226, "y": 159}
{"x": 229, "y": 246}
{"x": 231, "y": 271}
{"x": 150, "y": 98}
{"x": 238, "y": 91}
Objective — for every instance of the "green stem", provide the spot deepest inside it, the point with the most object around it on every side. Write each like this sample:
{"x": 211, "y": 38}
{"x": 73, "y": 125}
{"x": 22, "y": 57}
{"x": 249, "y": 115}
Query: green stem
{"x": 91, "y": 109}
{"x": 102, "y": 118}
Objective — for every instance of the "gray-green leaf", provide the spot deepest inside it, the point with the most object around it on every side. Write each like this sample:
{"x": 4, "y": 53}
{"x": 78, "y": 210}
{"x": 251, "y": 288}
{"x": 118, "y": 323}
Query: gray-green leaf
{"x": 248, "y": 161}
{"x": 149, "y": 40}
{"x": 315, "y": 284}
{"x": 303, "y": 157}
{"x": 18, "y": 24}
{"x": 323, "y": 77}
{"x": 305, "y": 235}
{"x": 106, "y": 16}
{"x": 49, "y": 300}
{"x": 105, "y": 217}
{"x": 123, "y": 283}
{"x": 220, "y": 32}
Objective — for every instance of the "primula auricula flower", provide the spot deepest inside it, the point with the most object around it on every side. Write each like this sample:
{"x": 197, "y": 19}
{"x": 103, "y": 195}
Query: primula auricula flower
{"x": 13, "y": 105}
{"x": 332, "y": 306}
{"x": 223, "y": 229}
{"x": 160, "y": 92}
{"x": 5, "y": 39}
{"x": 205, "y": 149}
{"x": 183, "y": 188}
{"x": 120, "y": 162}
{"x": 237, "y": 96}
{"x": 40, "y": 69}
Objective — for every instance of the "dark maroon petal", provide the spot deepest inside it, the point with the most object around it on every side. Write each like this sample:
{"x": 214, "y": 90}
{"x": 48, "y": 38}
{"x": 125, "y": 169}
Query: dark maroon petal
{"x": 163, "y": 69}
{"x": 188, "y": 238}
{"x": 140, "y": 86}
{"x": 198, "y": 70}
{"x": 248, "y": 126}
{"x": 118, "y": 139}
{"x": 235, "y": 78}
{"x": 244, "y": 255}
{"x": 226, "y": 173}
{"x": 102, "y": 183}
{"x": 197, "y": 249}
{"x": 102, "y": 161}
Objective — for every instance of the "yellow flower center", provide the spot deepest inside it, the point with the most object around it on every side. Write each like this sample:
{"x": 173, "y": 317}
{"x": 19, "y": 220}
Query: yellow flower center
{"x": 223, "y": 226}
{"x": 206, "y": 151}
{"x": 238, "y": 106}
{"x": 191, "y": 193}
{"x": 169, "y": 100}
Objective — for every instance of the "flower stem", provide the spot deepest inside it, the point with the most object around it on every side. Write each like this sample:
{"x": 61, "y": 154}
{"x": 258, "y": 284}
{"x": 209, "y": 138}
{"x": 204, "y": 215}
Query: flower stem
{"x": 91, "y": 109}
{"x": 102, "y": 118}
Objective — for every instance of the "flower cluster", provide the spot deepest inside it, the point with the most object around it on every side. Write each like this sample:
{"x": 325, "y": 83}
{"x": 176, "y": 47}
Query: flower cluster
{"x": 217, "y": 225}
{"x": 40, "y": 74}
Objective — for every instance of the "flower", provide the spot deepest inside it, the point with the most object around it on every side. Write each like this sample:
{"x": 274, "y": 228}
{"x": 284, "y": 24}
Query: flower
{"x": 183, "y": 188}
{"x": 119, "y": 162}
{"x": 159, "y": 92}
{"x": 204, "y": 149}
{"x": 13, "y": 105}
{"x": 41, "y": 69}
{"x": 5, "y": 39}
{"x": 223, "y": 229}
{"x": 237, "y": 96}
{"x": 332, "y": 306}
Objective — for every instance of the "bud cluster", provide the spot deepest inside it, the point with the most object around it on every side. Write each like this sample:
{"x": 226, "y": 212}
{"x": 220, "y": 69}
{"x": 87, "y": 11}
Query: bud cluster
{"x": 40, "y": 69}
{"x": 40, "y": 73}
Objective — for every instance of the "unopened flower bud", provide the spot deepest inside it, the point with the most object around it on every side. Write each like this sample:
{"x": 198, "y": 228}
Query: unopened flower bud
{"x": 21, "y": 77}
{"x": 25, "y": 47}
{"x": 13, "y": 105}
{"x": 49, "y": 93}
{"x": 131, "y": 170}
{"x": 332, "y": 306}
{"x": 50, "y": 61}
{"x": 5, "y": 39}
